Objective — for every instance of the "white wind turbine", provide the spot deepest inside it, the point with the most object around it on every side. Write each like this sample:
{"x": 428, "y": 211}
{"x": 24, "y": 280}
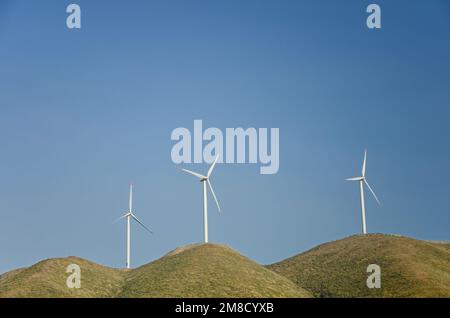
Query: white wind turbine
{"x": 130, "y": 215}
{"x": 362, "y": 180}
{"x": 205, "y": 180}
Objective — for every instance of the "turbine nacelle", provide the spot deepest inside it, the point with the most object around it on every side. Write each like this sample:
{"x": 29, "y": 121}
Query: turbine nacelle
{"x": 355, "y": 179}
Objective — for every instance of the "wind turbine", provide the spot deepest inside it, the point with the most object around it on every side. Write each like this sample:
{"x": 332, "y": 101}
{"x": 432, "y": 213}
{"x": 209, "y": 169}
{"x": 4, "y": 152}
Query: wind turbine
{"x": 130, "y": 215}
{"x": 205, "y": 180}
{"x": 362, "y": 180}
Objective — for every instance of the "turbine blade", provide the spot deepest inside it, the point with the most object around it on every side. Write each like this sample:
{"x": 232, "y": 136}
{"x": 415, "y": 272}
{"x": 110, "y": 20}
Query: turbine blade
{"x": 130, "y": 202}
{"x": 214, "y": 195}
{"x": 142, "y": 224}
{"x": 212, "y": 166}
{"x": 198, "y": 175}
{"x": 363, "y": 171}
{"x": 122, "y": 217}
{"x": 374, "y": 195}
{"x": 354, "y": 179}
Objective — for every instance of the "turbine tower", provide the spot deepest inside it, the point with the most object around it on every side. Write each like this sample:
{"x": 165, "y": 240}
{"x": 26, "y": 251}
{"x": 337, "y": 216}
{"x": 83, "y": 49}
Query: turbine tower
{"x": 205, "y": 180}
{"x": 130, "y": 215}
{"x": 362, "y": 180}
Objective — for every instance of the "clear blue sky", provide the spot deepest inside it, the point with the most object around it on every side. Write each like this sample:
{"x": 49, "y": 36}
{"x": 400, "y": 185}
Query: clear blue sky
{"x": 85, "y": 112}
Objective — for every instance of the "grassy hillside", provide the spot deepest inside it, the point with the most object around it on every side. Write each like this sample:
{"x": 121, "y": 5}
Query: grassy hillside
{"x": 48, "y": 279}
{"x": 205, "y": 270}
{"x": 409, "y": 268}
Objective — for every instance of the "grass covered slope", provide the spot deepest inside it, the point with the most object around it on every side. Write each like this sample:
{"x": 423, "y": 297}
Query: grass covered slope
{"x": 409, "y": 267}
{"x": 48, "y": 279}
{"x": 207, "y": 270}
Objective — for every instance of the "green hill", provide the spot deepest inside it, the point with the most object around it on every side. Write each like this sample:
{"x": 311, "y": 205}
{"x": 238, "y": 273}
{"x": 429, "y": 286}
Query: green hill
{"x": 48, "y": 279}
{"x": 409, "y": 267}
{"x": 205, "y": 270}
